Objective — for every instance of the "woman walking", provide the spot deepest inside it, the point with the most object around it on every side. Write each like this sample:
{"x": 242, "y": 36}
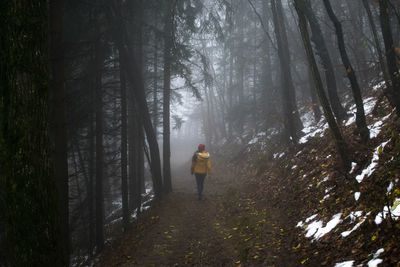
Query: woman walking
{"x": 201, "y": 166}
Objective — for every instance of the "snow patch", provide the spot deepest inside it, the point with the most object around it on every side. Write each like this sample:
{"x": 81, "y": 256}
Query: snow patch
{"x": 351, "y": 120}
{"x": 357, "y": 196}
{"x": 316, "y": 229}
{"x": 301, "y": 223}
{"x": 378, "y": 86}
{"x": 312, "y": 217}
{"x": 278, "y": 155}
{"x": 347, "y": 233}
{"x": 369, "y": 104}
{"x": 394, "y": 212}
{"x": 353, "y": 167}
{"x": 354, "y": 215}
{"x": 375, "y": 260}
{"x": 390, "y": 187}
{"x": 307, "y": 119}
{"x": 312, "y": 131}
{"x": 329, "y": 226}
{"x": 312, "y": 228}
{"x": 376, "y": 128}
{"x": 257, "y": 138}
{"x": 329, "y": 189}
{"x": 379, "y": 252}
{"x": 369, "y": 170}
{"x": 344, "y": 264}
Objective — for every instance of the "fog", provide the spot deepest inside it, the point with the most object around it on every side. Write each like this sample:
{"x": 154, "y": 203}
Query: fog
{"x": 105, "y": 102}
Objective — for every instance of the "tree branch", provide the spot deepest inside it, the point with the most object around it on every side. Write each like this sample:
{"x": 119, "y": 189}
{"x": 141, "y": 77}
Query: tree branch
{"x": 262, "y": 24}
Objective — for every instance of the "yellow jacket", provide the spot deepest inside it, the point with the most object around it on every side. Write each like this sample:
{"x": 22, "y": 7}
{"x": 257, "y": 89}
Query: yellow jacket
{"x": 201, "y": 163}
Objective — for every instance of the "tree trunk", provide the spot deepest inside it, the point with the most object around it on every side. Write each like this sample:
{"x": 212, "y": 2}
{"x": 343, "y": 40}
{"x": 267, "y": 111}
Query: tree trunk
{"x": 59, "y": 124}
{"x": 223, "y": 93}
{"x": 240, "y": 64}
{"x": 268, "y": 92}
{"x": 289, "y": 108}
{"x": 209, "y": 133}
{"x": 338, "y": 138}
{"x": 390, "y": 54}
{"x": 155, "y": 86}
{"x": 134, "y": 148}
{"x": 31, "y": 233}
{"x": 135, "y": 78}
{"x": 90, "y": 196}
{"x": 378, "y": 47}
{"x": 313, "y": 95}
{"x": 213, "y": 113}
{"x": 358, "y": 38}
{"x": 99, "y": 58}
{"x": 168, "y": 42}
{"x": 136, "y": 81}
{"x": 255, "y": 110}
{"x": 282, "y": 18}
{"x": 360, "y": 114}
{"x": 322, "y": 52}
{"x": 230, "y": 94}
{"x": 124, "y": 147}
{"x": 140, "y": 183}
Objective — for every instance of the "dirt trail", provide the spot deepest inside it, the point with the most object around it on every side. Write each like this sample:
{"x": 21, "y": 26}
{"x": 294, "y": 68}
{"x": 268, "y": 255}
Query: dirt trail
{"x": 183, "y": 231}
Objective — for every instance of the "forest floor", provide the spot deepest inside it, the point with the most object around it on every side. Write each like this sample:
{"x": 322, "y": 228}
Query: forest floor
{"x": 227, "y": 228}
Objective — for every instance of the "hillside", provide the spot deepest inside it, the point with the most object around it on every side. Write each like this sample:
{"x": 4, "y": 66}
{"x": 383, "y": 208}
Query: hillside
{"x": 266, "y": 206}
{"x": 333, "y": 218}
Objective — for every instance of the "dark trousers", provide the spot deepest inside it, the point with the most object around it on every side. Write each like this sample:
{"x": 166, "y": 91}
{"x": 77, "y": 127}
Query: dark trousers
{"x": 200, "y": 183}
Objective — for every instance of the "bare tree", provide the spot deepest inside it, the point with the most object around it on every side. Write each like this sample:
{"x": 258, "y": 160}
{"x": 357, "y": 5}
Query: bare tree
{"x": 337, "y": 136}
{"x": 138, "y": 91}
{"x": 360, "y": 114}
{"x": 291, "y": 115}
{"x": 322, "y": 51}
{"x": 168, "y": 43}
{"x": 378, "y": 46}
{"x": 390, "y": 53}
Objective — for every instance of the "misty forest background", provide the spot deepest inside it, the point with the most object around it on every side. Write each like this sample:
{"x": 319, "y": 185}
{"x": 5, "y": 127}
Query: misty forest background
{"x": 94, "y": 94}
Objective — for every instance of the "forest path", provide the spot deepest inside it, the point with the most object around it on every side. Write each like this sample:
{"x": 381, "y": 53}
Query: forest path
{"x": 223, "y": 229}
